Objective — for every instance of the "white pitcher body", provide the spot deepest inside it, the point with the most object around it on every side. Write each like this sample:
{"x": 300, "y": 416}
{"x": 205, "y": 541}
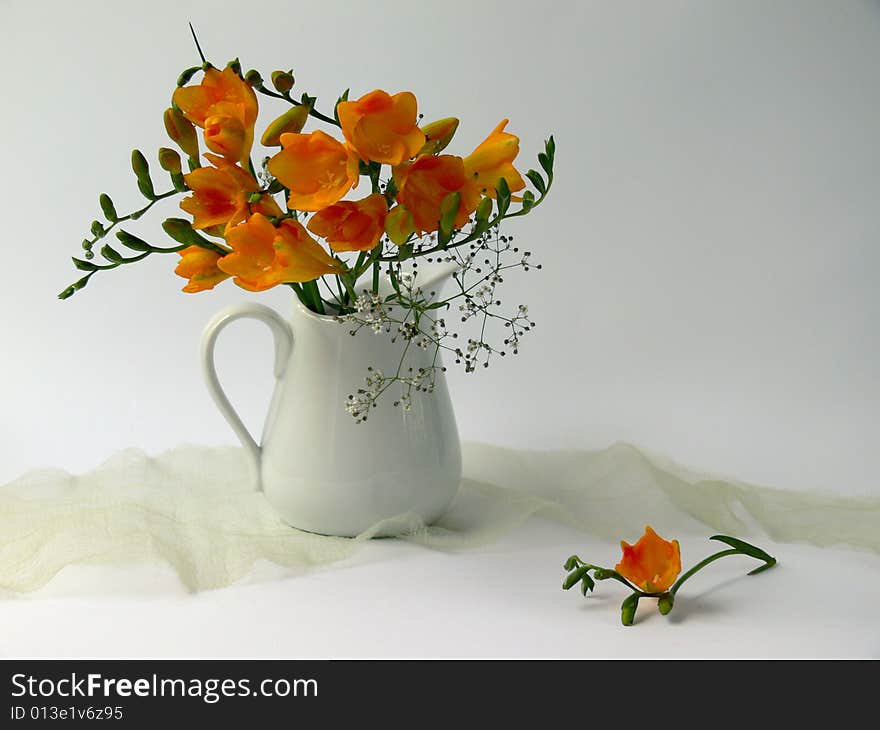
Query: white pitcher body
{"x": 323, "y": 471}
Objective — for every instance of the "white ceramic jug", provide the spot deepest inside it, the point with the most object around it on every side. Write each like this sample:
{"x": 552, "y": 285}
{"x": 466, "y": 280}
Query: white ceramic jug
{"x": 320, "y": 469}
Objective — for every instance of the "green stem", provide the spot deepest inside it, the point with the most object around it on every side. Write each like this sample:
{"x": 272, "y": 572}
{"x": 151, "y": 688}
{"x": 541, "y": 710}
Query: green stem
{"x": 312, "y": 112}
{"x": 702, "y": 564}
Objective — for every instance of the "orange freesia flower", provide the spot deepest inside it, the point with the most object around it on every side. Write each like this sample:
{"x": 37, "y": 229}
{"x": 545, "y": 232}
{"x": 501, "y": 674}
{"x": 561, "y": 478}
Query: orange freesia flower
{"x": 224, "y": 106}
{"x": 424, "y": 184}
{"x": 317, "y": 169}
{"x": 299, "y": 257}
{"x": 220, "y": 195}
{"x": 382, "y": 127}
{"x": 652, "y": 563}
{"x": 199, "y": 265}
{"x": 352, "y": 225}
{"x": 493, "y": 159}
{"x": 264, "y": 256}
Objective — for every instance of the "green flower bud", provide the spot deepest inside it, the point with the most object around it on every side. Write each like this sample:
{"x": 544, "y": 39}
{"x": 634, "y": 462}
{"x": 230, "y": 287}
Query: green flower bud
{"x": 293, "y": 120}
{"x": 282, "y": 81}
{"x": 107, "y": 207}
{"x": 169, "y": 160}
{"x": 438, "y": 135}
{"x": 665, "y": 603}
{"x": 628, "y": 609}
{"x": 181, "y": 132}
{"x": 253, "y": 77}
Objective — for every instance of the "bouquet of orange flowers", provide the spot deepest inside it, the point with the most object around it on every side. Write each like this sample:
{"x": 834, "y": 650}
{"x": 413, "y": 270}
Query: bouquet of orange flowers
{"x": 288, "y": 221}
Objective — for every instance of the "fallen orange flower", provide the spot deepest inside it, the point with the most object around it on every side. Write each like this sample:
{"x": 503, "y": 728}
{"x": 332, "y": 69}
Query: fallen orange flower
{"x": 652, "y": 563}
{"x": 352, "y": 225}
{"x": 316, "y": 168}
{"x": 381, "y": 127}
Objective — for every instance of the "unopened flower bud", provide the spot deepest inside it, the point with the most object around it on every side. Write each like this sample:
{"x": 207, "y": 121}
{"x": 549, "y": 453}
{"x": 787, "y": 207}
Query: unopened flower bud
{"x": 628, "y": 609}
{"x": 169, "y": 160}
{"x": 438, "y": 134}
{"x": 293, "y": 120}
{"x": 665, "y": 603}
{"x": 282, "y": 81}
{"x": 253, "y": 77}
{"x": 182, "y": 132}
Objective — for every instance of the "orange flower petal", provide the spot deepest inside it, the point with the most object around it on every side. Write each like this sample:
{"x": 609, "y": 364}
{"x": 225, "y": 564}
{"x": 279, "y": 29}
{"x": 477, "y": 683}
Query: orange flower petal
{"x": 493, "y": 159}
{"x": 253, "y": 254}
{"x": 317, "y": 169}
{"x": 652, "y": 563}
{"x": 425, "y": 183}
{"x": 219, "y": 194}
{"x": 352, "y": 225}
{"x": 299, "y": 257}
{"x": 381, "y": 127}
{"x": 199, "y": 265}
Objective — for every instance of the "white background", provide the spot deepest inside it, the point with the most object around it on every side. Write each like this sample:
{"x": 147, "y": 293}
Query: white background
{"x": 709, "y": 291}
{"x": 710, "y": 251}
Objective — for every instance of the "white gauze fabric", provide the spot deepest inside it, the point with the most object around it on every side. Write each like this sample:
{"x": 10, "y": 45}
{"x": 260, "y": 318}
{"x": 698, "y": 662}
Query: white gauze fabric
{"x": 194, "y": 508}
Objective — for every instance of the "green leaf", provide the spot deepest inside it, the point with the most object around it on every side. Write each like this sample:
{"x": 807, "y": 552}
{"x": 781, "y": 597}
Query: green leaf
{"x": 448, "y": 212}
{"x": 574, "y": 577}
{"x": 111, "y": 254}
{"x": 108, "y": 208}
{"x": 84, "y": 265}
{"x": 528, "y": 201}
{"x": 546, "y": 163}
{"x": 628, "y": 609}
{"x": 537, "y": 181}
{"x": 572, "y": 563}
{"x": 132, "y": 242}
{"x": 587, "y": 584}
{"x": 747, "y": 549}
{"x": 550, "y": 147}
{"x": 97, "y": 229}
{"x": 502, "y": 190}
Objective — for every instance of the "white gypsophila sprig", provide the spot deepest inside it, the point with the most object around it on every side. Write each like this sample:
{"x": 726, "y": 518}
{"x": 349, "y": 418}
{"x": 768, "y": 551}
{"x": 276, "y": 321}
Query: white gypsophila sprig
{"x": 409, "y": 317}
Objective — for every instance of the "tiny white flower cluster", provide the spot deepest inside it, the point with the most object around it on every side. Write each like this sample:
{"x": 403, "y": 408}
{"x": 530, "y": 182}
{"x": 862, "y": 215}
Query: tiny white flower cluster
{"x": 359, "y": 404}
{"x": 409, "y": 318}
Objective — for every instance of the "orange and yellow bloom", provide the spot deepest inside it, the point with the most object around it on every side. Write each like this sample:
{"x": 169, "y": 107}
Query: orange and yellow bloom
{"x": 220, "y": 195}
{"x": 381, "y": 127}
{"x": 425, "y": 183}
{"x": 493, "y": 159}
{"x": 317, "y": 169}
{"x": 199, "y": 265}
{"x": 652, "y": 563}
{"x": 264, "y": 256}
{"x": 352, "y": 225}
{"x": 225, "y": 107}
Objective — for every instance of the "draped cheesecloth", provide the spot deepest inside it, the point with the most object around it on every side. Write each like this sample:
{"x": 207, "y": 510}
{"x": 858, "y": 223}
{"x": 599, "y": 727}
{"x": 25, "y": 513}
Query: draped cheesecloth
{"x": 193, "y": 508}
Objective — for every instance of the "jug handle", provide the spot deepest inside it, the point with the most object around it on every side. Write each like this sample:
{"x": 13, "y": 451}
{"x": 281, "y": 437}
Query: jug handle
{"x": 283, "y": 337}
